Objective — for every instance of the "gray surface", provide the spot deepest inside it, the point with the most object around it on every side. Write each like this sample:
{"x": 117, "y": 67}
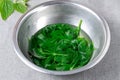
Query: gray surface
{"x": 12, "y": 68}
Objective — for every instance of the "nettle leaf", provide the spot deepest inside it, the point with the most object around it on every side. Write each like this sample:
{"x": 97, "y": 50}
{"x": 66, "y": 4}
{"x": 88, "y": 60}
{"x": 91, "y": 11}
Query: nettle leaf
{"x": 48, "y": 61}
{"x": 37, "y": 53}
{"x": 59, "y": 47}
{"x": 62, "y": 67}
{"x": 6, "y": 8}
{"x": 61, "y": 59}
{"x": 20, "y": 7}
{"x": 25, "y": 0}
{"x": 36, "y": 61}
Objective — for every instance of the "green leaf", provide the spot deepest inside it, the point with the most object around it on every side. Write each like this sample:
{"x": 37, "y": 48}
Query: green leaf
{"x": 38, "y": 54}
{"x": 6, "y": 8}
{"x": 83, "y": 44}
{"x": 20, "y": 7}
{"x": 75, "y": 61}
{"x": 25, "y": 0}
{"x": 59, "y": 47}
{"x": 63, "y": 67}
{"x": 36, "y": 61}
{"x": 48, "y": 61}
{"x": 61, "y": 58}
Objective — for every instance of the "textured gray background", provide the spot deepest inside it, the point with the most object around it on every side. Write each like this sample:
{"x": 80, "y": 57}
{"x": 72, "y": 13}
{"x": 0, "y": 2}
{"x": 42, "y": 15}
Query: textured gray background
{"x": 12, "y": 68}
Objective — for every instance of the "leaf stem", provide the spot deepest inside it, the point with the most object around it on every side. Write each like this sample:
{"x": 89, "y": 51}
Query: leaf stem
{"x": 79, "y": 27}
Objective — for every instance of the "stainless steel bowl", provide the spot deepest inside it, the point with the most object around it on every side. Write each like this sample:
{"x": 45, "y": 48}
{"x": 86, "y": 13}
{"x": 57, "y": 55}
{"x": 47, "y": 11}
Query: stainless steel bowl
{"x": 61, "y": 12}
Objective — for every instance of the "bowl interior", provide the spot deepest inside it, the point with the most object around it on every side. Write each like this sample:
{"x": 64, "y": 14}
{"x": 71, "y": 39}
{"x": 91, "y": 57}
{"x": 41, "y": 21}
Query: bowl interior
{"x": 60, "y": 12}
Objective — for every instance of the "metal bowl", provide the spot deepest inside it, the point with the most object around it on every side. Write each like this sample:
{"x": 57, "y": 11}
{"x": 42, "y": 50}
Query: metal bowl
{"x": 61, "y": 12}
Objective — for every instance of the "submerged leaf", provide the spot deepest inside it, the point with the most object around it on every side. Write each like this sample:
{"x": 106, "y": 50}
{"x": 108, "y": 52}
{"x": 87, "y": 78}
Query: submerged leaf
{"x": 59, "y": 47}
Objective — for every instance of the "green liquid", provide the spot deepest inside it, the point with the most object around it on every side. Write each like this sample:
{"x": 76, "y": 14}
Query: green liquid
{"x": 60, "y": 47}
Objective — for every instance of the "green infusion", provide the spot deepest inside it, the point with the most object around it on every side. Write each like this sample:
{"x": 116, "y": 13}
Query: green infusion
{"x": 60, "y": 47}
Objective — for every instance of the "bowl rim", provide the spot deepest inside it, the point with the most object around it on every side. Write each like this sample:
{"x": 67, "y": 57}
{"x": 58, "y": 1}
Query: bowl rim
{"x": 86, "y": 67}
